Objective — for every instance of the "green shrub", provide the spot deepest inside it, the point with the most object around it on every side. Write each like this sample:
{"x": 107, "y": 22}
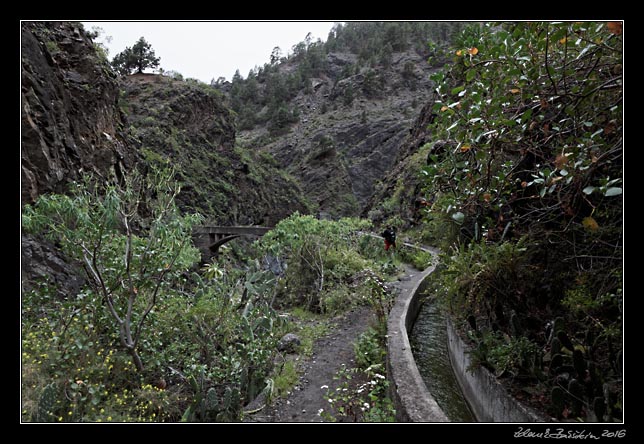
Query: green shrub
{"x": 420, "y": 259}
{"x": 286, "y": 379}
{"x": 98, "y": 231}
{"x": 320, "y": 256}
{"x": 147, "y": 339}
{"x": 503, "y": 354}
{"x": 476, "y": 277}
{"x": 369, "y": 349}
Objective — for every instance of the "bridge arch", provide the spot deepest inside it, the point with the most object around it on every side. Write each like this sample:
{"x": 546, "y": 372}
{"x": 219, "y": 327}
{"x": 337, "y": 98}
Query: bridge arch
{"x": 215, "y": 246}
{"x": 208, "y": 238}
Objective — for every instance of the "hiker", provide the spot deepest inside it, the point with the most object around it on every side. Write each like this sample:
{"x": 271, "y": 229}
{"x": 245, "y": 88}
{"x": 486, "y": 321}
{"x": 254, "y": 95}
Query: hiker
{"x": 390, "y": 238}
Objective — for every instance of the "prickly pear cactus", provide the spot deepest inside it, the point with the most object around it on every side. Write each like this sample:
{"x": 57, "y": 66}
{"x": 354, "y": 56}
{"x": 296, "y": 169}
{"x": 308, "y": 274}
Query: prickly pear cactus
{"x": 47, "y": 404}
{"x": 555, "y": 347}
{"x": 212, "y": 401}
{"x": 579, "y": 362}
{"x": 565, "y": 340}
{"x": 576, "y": 391}
{"x": 555, "y": 362}
{"x": 558, "y": 398}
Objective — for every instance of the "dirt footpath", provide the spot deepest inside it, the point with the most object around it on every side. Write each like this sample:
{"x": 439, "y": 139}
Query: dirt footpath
{"x": 329, "y": 354}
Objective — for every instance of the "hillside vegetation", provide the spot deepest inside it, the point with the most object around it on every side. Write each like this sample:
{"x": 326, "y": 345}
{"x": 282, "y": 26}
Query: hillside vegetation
{"x": 526, "y": 200}
{"x": 509, "y": 158}
{"x": 333, "y": 114}
{"x": 146, "y": 332}
{"x": 153, "y": 337}
{"x": 186, "y": 125}
{"x": 265, "y": 96}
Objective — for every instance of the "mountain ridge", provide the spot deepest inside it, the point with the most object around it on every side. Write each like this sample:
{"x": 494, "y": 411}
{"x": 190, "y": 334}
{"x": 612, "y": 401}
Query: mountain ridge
{"x": 334, "y": 114}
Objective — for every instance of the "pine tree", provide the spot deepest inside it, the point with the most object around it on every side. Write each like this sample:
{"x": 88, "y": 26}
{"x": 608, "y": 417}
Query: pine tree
{"x": 137, "y": 58}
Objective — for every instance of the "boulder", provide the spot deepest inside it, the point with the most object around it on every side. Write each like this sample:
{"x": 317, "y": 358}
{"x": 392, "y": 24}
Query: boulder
{"x": 288, "y": 343}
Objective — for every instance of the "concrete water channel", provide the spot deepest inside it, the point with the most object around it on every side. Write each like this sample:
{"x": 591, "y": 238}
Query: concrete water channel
{"x": 428, "y": 340}
{"x": 431, "y": 376}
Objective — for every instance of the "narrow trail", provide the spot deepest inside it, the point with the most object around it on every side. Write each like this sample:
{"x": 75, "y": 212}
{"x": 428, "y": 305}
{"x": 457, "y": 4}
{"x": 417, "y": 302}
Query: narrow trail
{"x": 329, "y": 354}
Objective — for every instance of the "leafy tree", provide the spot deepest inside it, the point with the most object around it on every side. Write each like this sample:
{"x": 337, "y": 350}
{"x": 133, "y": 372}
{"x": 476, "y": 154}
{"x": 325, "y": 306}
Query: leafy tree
{"x": 148, "y": 338}
{"x": 386, "y": 55}
{"x": 136, "y": 59}
{"x": 237, "y": 77}
{"x": 373, "y": 84}
{"x": 280, "y": 118}
{"x": 219, "y": 82}
{"x": 250, "y": 92}
{"x": 316, "y": 58}
{"x": 121, "y": 62}
{"x": 395, "y": 36}
{"x": 531, "y": 176}
{"x": 299, "y": 51}
{"x": 246, "y": 118}
{"x": 92, "y": 226}
{"x": 101, "y": 48}
{"x": 409, "y": 76}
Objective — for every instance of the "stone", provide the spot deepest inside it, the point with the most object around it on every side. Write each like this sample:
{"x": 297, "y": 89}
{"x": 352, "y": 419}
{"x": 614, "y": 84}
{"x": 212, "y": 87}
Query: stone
{"x": 42, "y": 262}
{"x": 288, "y": 343}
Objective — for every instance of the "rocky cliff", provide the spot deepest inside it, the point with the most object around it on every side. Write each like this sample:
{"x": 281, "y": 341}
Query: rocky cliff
{"x": 349, "y": 132}
{"x": 78, "y": 119}
{"x": 70, "y": 122}
{"x": 185, "y": 125}
{"x": 70, "y": 126}
{"x": 399, "y": 193}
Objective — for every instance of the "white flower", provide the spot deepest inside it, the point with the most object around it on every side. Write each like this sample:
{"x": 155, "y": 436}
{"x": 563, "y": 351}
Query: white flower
{"x": 324, "y": 387}
{"x": 378, "y": 375}
{"x": 320, "y": 412}
{"x": 366, "y": 405}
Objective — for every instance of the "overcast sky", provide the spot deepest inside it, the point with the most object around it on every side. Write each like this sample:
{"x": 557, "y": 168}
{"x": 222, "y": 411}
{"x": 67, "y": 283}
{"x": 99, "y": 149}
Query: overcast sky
{"x": 207, "y": 50}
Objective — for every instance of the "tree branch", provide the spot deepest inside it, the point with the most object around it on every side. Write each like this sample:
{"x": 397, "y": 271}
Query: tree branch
{"x": 130, "y": 284}
{"x": 91, "y": 264}
{"x": 554, "y": 85}
{"x": 155, "y": 292}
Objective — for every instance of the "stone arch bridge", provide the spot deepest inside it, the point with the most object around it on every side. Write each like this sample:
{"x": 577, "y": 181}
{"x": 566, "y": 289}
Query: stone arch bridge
{"x": 208, "y": 238}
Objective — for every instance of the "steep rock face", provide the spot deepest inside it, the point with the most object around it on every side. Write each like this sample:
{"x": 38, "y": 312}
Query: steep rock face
{"x": 349, "y": 132}
{"x": 70, "y": 120}
{"x": 71, "y": 125}
{"x": 398, "y": 194}
{"x": 79, "y": 119}
{"x": 42, "y": 262}
{"x": 185, "y": 125}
